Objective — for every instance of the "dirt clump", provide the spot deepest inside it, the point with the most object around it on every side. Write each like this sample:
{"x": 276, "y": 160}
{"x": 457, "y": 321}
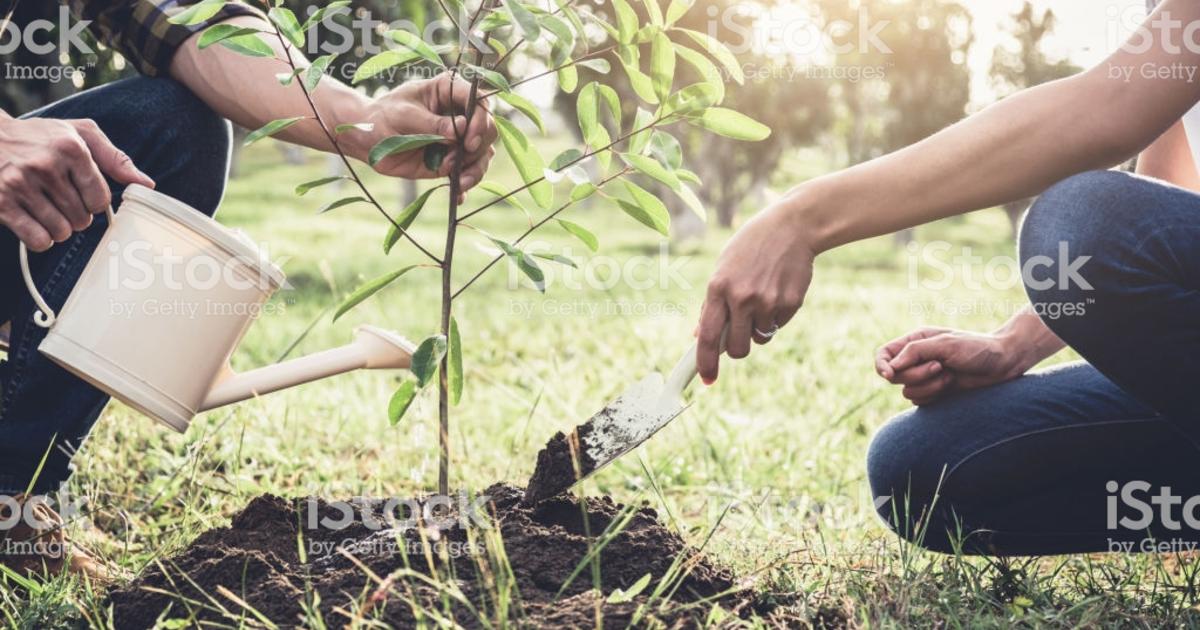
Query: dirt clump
{"x": 556, "y": 471}
{"x": 533, "y": 565}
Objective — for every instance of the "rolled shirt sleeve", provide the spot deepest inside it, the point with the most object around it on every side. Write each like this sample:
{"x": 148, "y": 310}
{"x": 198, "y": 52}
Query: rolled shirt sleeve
{"x": 140, "y": 29}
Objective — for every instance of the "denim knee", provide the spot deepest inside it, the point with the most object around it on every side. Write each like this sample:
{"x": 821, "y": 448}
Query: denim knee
{"x": 1069, "y": 243}
{"x": 906, "y": 469}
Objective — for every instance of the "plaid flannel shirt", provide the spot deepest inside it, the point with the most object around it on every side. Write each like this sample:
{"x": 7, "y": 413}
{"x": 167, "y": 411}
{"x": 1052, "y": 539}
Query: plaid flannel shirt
{"x": 140, "y": 31}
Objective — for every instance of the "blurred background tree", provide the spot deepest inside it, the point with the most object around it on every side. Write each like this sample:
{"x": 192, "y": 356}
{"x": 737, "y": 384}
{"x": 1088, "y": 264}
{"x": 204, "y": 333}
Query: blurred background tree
{"x": 1023, "y": 64}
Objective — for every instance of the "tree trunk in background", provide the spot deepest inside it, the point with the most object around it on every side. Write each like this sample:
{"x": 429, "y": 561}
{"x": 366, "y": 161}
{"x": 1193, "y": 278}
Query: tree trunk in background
{"x": 408, "y": 191}
{"x": 235, "y": 154}
{"x": 1014, "y": 210}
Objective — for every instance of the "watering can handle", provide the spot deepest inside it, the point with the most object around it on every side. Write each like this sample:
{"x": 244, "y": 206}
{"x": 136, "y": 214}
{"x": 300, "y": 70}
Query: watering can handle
{"x": 44, "y": 316}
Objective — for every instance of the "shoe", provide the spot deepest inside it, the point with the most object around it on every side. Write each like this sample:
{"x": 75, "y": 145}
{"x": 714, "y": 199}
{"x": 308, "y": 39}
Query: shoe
{"x": 36, "y": 544}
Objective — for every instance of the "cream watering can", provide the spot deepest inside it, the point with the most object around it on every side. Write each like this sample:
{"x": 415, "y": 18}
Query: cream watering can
{"x": 163, "y": 303}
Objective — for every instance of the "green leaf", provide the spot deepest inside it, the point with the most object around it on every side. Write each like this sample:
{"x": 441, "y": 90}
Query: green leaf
{"x": 639, "y": 140}
{"x": 706, "y": 69}
{"x": 524, "y": 19}
{"x": 271, "y": 128}
{"x": 718, "y": 52}
{"x": 558, "y": 258}
{"x": 493, "y": 21}
{"x": 197, "y": 13}
{"x": 286, "y": 21}
{"x": 218, "y": 32}
{"x": 354, "y": 127}
{"x": 687, "y": 176}
{"x": 692, "y": 98}
{"x": 286, "y": 78}
{"x": 642, "y": 85}
{"x": 425, "y": 360}
{"x": 320, "y": 14}
{"x": 417, "y": 45}
{"x": 564, "y": 39}
{"x": 677, "y": 9}
{"x": 586, "y": 110}
{"x": 568, "y": 79}
{"x": 583, "y": 191}
{"x": 583, "y": 234}
{"x": 613, "y": 101}
{"x": 523, "y": 262}
{"x": 662, "y": 63}
{"x": 454, "y": 375}
{"x": 627, "y": 21}
{"x": 731, "y": 124}
{"x": 383, "y": 61}
{"x": 406, "y": 218}
{"x": 368, "y": 289}
{"x": 666, "y": 148}
{"x": 624, "y": 596}
{"x": 399, "y": 144}
{"x": 250, "y": 45}
{"x": 526, "y": 107}
{"x": 654, "y": 11}
{"x": 647, "y": 209}
{"x": 303, "y": 189}
{"x": 600, "y": 66}
{"x": 692, "y": 201}
{"x": 313, "y": 75}
{"x": 500, "y": 192}
{"x": 651, "y": 168}
{"x": 493, "y": 78}
{"x": 433, "y": 156}
{"x": 344, "y": 201}
{"x": 401, "y": 400}
{"x": 561, "y": 161}
{"x": 528, "y": 162}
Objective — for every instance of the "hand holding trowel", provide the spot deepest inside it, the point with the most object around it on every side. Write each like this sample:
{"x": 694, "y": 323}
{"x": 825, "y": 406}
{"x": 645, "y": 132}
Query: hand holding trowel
{"x": 638, "y": 413}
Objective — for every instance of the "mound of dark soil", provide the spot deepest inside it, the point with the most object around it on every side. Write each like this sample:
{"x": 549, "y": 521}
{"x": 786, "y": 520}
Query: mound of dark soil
{"x": 371, "y": 571}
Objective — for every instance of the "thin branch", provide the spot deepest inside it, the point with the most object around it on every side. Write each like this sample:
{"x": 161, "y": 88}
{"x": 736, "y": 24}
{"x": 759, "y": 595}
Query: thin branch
{"x": 560, "y": 169}
{"x": 529, "y": 231}
{"x": 287, "y": 51}
{"x": 551, "y": 70}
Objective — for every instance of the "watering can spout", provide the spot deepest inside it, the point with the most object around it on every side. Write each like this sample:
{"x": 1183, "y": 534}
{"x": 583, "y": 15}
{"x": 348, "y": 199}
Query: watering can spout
{"x": 372, "y": 348}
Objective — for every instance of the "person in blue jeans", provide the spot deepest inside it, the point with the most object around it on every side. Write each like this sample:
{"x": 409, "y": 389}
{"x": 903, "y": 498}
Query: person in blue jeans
{"x": 1097, "y": 455}
{"x": 63, "y": 165}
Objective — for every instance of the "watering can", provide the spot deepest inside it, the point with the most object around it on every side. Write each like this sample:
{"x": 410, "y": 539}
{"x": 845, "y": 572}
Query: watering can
{"x": 162, "y": 305}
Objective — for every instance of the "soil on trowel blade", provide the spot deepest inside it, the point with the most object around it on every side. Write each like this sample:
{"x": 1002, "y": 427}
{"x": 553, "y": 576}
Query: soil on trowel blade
{"x": 555, "y": 471}
{"x": 355, "y": 567}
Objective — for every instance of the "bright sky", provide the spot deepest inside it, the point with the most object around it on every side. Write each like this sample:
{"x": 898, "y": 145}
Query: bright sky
{"x": 1086, "y": 32}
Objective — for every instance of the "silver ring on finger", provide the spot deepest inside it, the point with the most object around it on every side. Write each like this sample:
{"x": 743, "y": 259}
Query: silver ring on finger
{"x": 768, "y": 334}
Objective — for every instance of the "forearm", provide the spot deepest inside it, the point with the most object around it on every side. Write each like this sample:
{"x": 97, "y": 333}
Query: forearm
{"x": 1011, "y": 150}
{"x": 246, "y": 91}
{"x": 1169, "y": 158}
{"x": 1028, "y": 340}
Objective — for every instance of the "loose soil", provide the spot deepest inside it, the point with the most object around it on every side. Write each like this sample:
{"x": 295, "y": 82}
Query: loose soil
{"x": 556, "y": 464}
{"x": 366, "y": 572}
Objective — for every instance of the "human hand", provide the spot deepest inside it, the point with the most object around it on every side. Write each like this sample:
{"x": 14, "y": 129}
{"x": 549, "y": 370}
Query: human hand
{"x": 52, "y": 177}
{"x": 760, "y": 282}
{"x": 432, "y": 106}
{"x": 931, "y": 362}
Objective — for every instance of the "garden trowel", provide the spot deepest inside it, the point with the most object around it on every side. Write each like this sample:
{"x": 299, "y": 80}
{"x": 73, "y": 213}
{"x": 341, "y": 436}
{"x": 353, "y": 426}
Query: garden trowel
{"x": 621, "y": 426}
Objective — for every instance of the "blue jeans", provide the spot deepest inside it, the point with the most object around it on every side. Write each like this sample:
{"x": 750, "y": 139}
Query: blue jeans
{"x": 1039, "y": 465}
{"x": 184, "y": 147}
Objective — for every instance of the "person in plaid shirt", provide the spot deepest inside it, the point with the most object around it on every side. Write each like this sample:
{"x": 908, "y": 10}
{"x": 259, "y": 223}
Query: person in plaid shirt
{"x": 62, "y": 165}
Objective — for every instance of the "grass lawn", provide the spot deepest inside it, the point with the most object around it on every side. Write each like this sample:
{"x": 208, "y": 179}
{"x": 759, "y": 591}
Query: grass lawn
{"x": 772, "y": 456}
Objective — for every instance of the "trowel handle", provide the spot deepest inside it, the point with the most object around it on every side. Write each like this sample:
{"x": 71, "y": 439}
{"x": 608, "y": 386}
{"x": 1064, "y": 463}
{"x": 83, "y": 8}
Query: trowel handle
{"x": 685, "y": 370}
{"x": 44, "y": 316}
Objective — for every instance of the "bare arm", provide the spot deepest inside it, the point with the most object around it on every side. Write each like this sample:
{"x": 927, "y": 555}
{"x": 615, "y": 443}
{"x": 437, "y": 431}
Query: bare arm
{"x": 1169, "y": 158}
{"x": 1012, "y": 150}
{"x": 246, "y": 91}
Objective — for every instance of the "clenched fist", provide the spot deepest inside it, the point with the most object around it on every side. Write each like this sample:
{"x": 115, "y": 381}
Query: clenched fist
{"x": 52, "y": 177}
